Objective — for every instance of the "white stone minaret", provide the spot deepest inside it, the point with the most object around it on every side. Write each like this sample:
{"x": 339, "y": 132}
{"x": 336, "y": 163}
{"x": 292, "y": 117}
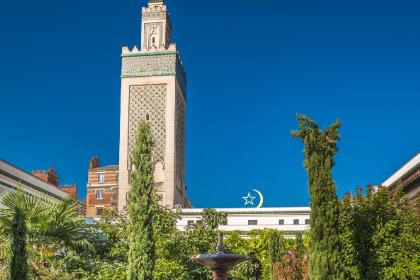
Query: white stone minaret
{"x": 153, "y": 88}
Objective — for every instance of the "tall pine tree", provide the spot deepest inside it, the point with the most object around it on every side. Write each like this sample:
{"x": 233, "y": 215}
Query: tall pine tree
{"x": 320, "y": 148}
{"x": 141, "y": 208}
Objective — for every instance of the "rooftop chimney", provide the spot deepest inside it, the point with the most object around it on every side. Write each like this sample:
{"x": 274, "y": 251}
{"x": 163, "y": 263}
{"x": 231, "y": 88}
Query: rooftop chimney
{"x": 94, "y": 162}
{"x": 49, "y": 176}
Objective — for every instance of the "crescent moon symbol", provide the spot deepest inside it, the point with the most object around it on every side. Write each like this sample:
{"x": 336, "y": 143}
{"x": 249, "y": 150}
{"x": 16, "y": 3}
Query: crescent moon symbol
{"x": 261, "y": 198}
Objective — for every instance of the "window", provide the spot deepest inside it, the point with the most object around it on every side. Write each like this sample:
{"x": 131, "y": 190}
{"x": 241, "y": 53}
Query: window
{"x": 99, "y": 211}
{"x": 281, "y": 222}
{"x": 190, "y": 222}
{"x": 101, "y": 178}
{"x": 153, "y": 40}
{"x": 307, "y": 222}
{"x": 296, "y": 222}
{"x": 252, "y": 222}
{"x": 147, "y": 117}
{"x": 100, "y": 194}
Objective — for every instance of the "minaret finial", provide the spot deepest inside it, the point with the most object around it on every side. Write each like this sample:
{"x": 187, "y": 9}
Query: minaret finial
{"x": 156, "y": 1}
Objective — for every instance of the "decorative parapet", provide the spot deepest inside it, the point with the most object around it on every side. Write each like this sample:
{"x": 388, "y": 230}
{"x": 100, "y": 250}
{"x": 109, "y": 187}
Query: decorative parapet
{"x": 157, "y": 63}
{"x": 155, "y": 12}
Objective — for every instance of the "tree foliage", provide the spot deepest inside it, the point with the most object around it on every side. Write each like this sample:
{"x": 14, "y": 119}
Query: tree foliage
{"x": 34, "y": 228}
{"x": 19, "y": 263}
{"x": 265, "y": 252}
{"x": 320, "y": 147}
{"x": 141, "y": 208}
{"x": 174, "y": 249}
{"x": 275, "y": 249}
{"x": 380, "y": 235}
{"x": 251, "y": 269}
{"x": 370, "y": 236}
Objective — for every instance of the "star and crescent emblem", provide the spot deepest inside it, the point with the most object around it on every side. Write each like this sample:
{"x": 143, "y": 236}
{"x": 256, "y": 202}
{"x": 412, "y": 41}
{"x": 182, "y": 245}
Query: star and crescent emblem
{"x": 249, "y": 199}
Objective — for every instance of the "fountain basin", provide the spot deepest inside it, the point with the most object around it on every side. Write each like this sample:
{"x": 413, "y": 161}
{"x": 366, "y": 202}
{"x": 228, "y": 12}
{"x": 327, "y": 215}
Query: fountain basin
{"x": 218, "y": 261}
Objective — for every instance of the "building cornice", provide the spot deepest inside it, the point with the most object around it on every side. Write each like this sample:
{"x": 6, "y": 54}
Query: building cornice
{"x": 252, "y": 211}
{"x": 404, "y": 172}
{"x": 140, "y": 54}
{"x": 153, "y": 64}
{"x": 172, "y": 50}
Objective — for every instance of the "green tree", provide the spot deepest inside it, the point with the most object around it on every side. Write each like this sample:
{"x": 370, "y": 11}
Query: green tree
{"x": 258, "y": 242}
{"x": 320, "y": 146}
{"x": 38, "y": 227}
{"x": 275, "y": 249}
{"x": 171, "y": 247}
{"x": 141, "y": 208}
{"x": 396, "y": 238}
{"x": 19, "y": 265}
{"x": 250, "y": 269}
{"x": 380, "y": 235}
{"x": 354, "y": 233}
{"x": 113, "y": 245}
{"x": 4, "y": 255}
{"x": 299, "y": 246}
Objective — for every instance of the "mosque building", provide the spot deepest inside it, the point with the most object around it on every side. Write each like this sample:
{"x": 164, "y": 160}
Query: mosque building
{"x": 154, "y": 89}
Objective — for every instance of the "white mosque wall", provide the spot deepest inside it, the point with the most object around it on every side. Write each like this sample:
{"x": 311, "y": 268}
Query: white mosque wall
{"x": 287, "y": 219}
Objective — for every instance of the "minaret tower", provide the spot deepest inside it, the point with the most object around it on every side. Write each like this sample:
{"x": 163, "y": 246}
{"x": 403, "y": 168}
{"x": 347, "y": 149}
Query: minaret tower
{"x": 153, "y": 89}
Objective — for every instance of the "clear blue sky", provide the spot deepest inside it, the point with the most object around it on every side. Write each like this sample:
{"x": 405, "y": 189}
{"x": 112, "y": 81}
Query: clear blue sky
{"x": 251, "y": 65}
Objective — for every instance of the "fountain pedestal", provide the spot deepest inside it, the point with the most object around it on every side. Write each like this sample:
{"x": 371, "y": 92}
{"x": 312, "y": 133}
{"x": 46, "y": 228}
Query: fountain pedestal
{"x": 220, "y": 262}
{"x": 220, "y": 274}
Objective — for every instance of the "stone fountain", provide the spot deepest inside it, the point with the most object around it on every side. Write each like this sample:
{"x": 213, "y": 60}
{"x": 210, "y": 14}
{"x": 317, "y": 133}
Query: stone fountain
{"x": 220, "y": 262}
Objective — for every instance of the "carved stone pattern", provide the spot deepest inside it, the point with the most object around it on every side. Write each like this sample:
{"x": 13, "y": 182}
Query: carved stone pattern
{"x": 148, "y": 100}
{"x": 180, "y": 138}
{"x": 149, "y": 65}
{"x": 154, "y": 15}
{"x": 147, "y": 27}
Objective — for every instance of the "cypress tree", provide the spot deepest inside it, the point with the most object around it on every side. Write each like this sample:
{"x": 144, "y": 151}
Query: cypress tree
{"x": 299, "y": 246}
{"x": 300, "y": 256}
{"x": 141, "y": 208}
{"x": 320, "y": 146}
{"x": 276, "y": 250}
